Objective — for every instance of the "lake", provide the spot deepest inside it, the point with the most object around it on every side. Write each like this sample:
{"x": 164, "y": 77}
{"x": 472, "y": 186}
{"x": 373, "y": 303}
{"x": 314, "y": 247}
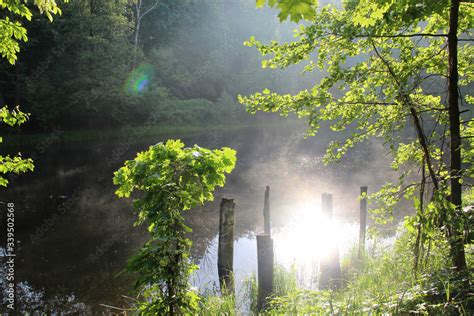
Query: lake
{"x": 74, "y": 235}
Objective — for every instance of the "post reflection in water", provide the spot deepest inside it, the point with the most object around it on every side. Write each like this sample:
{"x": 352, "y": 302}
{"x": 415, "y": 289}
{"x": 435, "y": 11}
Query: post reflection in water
{"x": 307, "y": 237}
{"x": 81, "y": 253}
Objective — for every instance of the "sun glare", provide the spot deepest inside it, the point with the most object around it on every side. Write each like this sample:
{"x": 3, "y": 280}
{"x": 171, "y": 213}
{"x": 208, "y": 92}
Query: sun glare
{"x": 310, "y": 236}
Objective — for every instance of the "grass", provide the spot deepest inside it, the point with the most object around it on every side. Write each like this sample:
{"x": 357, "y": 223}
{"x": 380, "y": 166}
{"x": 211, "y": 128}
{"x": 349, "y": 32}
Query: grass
{"x": 382, "y": 283}
{"x": 214, "y": 303}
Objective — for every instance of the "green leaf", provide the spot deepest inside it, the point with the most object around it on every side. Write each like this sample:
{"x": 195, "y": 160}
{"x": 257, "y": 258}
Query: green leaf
{"x": 297, "y": 10}
{"x": 260, "y": 3}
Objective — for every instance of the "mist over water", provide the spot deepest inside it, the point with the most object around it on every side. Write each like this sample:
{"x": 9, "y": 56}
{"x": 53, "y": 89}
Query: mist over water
{"x": 74, "y": 235}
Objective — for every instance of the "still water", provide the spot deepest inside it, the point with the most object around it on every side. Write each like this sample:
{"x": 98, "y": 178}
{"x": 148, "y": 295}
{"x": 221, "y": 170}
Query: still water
{"x": 74, "y": 235}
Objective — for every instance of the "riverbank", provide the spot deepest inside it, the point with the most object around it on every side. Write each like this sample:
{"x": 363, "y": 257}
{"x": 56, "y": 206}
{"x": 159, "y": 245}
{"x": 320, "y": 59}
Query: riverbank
{"x": 384, "y": 282}
{"x": 140, "y": 133}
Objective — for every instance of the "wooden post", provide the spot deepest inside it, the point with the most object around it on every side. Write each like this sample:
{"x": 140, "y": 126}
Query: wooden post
{"x": 330, "y": 267}
{"x": 225, "y": 252}
{"x": 266, "y": 212}
{"x": 265, "y": 269}
{"x": 327, "y": 205}
{"x": 363, "y": 219}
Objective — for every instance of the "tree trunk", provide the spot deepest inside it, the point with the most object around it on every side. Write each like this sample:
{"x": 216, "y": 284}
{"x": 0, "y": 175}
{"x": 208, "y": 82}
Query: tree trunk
{"x": 138, "y": 7}
{"x": 456, "y": 242}
{"x": 170, "y": 296}
{"x": 139, "y": 16}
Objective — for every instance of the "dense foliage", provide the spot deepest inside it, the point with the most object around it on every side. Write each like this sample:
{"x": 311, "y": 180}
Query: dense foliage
{"x": 7, "y": 163}
{"x": 386, "y": 284}
{"x": 11, "y": 27}
{"x": 12, "y": 32}
{"x": 172, "y": 179}
{"x": 384, "y": 66}
{"x": 76, "y": 73}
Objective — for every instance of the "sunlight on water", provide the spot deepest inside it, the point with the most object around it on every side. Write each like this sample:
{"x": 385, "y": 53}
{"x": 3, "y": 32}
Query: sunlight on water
{"x": 307, "y": 237}
{"x": 310, "y": 236}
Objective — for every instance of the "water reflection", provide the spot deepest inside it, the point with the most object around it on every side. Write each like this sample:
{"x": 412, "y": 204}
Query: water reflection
{"x": 311, "y": 237}
{"x": 307, "y": 238}
{"x": 82, "y": 251}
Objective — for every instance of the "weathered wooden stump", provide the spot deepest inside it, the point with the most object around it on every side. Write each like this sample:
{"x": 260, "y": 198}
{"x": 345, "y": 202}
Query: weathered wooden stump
{"x": 225, "y": 252}
{"x": 266, "y": 212}
{"x": 326, "y": 199}
{"x": 330, "y": 267}
{"x": 265, "y": 269}
{"x": 363, "y": 220}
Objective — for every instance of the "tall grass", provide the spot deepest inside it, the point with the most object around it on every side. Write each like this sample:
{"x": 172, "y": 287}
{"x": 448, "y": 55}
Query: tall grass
{"x": 284, "y": 281}
{"x": 383, "y": 282}
{"x": 223, "y": 303}
{"x": 215, "y": 304}
{"x": 386, "y": 283}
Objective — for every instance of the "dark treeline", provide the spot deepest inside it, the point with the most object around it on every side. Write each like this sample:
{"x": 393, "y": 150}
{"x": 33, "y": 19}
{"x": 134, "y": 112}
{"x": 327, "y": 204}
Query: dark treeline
{"x": 190, "y": 64}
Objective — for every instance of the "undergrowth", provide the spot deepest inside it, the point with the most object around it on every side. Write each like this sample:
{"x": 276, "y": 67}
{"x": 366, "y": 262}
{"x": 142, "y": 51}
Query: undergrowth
{"x": 382, "y": 282}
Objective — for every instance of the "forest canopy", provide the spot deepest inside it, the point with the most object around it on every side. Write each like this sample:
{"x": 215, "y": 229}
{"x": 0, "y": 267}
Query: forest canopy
{"x": 94, "y": 68}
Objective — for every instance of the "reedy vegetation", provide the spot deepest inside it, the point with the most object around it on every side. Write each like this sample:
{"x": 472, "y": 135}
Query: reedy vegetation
{"x": 386, "y": 283}
{"x": 380, "y": 60}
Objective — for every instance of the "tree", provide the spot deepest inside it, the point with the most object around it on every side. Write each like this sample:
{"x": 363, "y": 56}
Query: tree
{"x": 75, "y": 73}
{"x": 11, "y": 28}
{"x": 12, "y": 32}
{"x": 73, "y": 70}
{"x": 171, "y": 179}
{"x": 384, "y": 63}
{"x": 141, "y": 10}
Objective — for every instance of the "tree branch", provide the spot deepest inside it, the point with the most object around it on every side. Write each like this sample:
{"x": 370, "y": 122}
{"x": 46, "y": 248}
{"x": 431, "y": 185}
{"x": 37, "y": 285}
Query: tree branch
{"x": 419, "y": 130}
{"x": 149, "y": 9}
{"x": 407, "y": 35}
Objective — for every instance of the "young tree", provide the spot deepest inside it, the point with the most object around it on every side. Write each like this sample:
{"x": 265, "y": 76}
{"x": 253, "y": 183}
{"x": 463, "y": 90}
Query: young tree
{"x": 385, "y": 63}
{"x": 141, "y": 10}
{"x": 12, "y": 32}
{"x": 171, "y": 179}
